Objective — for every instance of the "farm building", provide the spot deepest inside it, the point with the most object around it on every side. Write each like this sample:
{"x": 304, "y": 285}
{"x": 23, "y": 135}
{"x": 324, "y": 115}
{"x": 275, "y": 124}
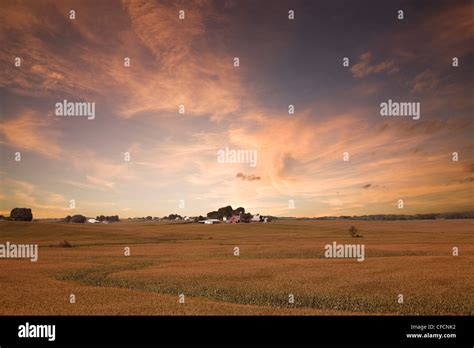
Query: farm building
{"x": 256, "y": 218}
{"x": 234, "y": 219}
{"x": 210, "y": 221}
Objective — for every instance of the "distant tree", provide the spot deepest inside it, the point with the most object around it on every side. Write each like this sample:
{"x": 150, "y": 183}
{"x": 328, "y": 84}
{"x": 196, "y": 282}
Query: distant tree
{"x": 238, "y": 211}
{"x": 213, "y": 215}
{"x": 174, "y": 216}
{"x": 65, "y": 244}
{"x": 113, "y": 218}
{"x": 79, "y": 219}
{"x": 353, "y": 231}
{"x": 201, "y": 218}
{"x": 67, "y": 218}
{"x": 247, "y": 217}
{"x": 21, "y": 214}
{"x": 224, "y": 212}
{"x": 149, "y": 217}
{"x": 459, "y": 215}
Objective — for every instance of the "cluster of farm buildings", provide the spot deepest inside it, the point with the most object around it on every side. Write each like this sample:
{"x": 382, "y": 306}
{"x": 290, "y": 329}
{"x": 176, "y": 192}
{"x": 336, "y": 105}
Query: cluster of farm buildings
{"x": 235, "y": 219}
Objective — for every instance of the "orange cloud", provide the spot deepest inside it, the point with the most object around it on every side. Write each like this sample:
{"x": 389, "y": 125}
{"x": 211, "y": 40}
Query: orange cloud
{"x": 31, "y": 131}
{"x": 364, "y": 68}
{"x": 23, "y": 193}
{"x": 424, "y": 81}
{"x": 189, "y": 71}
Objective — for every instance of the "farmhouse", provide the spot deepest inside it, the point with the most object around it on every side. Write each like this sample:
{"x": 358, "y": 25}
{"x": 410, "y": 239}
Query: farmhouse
{"x": 234, "y": 219}
{"x": 228, "y": 215}
{"x": 210, "y": 221}
{"x": 256, "y": 218}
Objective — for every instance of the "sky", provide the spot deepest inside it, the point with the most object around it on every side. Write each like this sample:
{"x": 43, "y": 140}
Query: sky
{"x": 173, "y": 164}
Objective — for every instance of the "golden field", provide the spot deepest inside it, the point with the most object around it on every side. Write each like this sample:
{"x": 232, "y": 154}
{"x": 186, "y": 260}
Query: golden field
{"x": 413, "y": 258}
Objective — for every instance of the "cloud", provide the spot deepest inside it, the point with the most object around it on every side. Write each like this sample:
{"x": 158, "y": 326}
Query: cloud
{"x": 424, "y": 81}
{"x": 443, "y": 32}
{"x": 32, "y": 131}
{"x": 101, "y": 182}
{"x": 190, "y": 62}
{"x": 188, "y": 68}
{"x": 247, "y": 177}
{"x": 471, "y": 179}
{"x": 364, "y": 68}
{"x": 173, "y": 62}
{"x": 19, "y": 193}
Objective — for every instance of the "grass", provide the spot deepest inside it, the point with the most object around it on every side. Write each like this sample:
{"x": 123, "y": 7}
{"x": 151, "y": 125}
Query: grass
{"x": 413, "y": 258}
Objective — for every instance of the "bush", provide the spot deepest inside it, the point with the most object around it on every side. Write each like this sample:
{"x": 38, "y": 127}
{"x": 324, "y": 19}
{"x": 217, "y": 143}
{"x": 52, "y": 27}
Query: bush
{"x": 21, "y": 214}
{"x": 63, "y": 244}
{"x": 353, "y": 231}
{"x": 78, "y": 219}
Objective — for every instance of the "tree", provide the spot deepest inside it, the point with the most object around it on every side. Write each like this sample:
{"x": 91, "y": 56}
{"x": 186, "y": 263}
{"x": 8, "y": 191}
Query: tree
{"x": 239, "y": 210}
{"x": 79, "y": 219}
{"x": 353, "y": 231}
{"x": 245, "y": 217}
{"x": 224, "y": 212}
{"x": 113, "y": 218}
{"x": 174, "y": 217}
{"x": 21, "y": 214}
{"x": 213, "y": 215}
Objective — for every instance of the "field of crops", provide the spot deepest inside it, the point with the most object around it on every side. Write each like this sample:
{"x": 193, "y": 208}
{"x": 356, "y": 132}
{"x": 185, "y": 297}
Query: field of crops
{"x": 410, "y": 258}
